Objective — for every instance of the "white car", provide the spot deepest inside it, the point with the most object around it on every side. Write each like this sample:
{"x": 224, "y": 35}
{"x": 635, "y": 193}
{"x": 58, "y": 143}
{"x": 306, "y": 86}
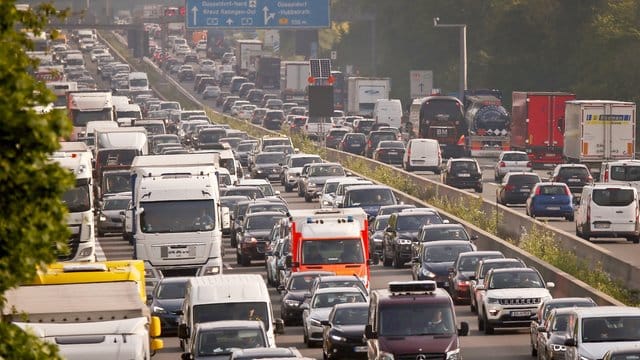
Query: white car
{"x": 201, "y": 45}
{"x": 293, "y": 167}
{"x": 211, "y": 91}
{"x": 328, "y": 195}
{"x": 246, "y": 111}
{"x": 207, "y": 66}
{"x": 182, "y": 50}
{"x": 95, "y": 52}
{"x": 235, "y": 108}
{"x": 318, "y": 308}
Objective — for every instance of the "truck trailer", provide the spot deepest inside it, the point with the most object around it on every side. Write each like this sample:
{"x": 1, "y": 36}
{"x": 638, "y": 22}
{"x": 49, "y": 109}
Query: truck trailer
{"x": 362, "y": 94}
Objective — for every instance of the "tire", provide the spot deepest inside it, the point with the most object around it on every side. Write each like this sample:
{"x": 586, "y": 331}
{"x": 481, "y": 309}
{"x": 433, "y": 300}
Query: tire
{"x": 307, "y": 198}
{"x": 534, "y": 351}
{"x": 300, "y": 192}
{"x": 287, "y": 188}
{"x": 396, "y": 262}
{"x": 101, "y": 233}
{"x": 488, "y": 328}
{"x": 569, "y": 218}
{"x": 386, "y": 262}
{"x": 496, "y": 178}
{"x": 437, "y": 171}
{"x": 478, "y": 189}
{"x": 305, "y": 338}
{"x": 472, "y": 307}
{"x": 245, "y": 260}
{"x": 407, "y": 167}
{"x": 480, "y": 323}
{"x": 238, "y": 259}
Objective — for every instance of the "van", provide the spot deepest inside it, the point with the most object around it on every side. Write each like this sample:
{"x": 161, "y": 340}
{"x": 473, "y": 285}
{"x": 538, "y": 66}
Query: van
{"x": 594, "y": 331}
{"x": 138, "y": 81}
{"x": 623, "y": 172}
{"x": 422, "y": 154}
{"x": 227, "y": 297}
{"x": 608, "y": 210}
{"x": 388, "y": 111}
{"x": 419, "y": 313}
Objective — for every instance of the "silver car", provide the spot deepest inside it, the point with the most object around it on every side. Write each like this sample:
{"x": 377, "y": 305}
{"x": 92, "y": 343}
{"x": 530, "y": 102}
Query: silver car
{"x": 110, "y": 218}
{"x": 510, "y": 161}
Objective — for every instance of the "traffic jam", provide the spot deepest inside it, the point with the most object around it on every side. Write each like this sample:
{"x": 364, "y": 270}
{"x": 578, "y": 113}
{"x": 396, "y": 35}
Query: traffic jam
{"x": 194, "y": 240}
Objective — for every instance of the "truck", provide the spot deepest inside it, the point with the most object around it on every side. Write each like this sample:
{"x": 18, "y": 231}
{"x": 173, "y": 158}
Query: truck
{"x": 96, "y": 320}
{"x": 294, "y": 80}
{"x": 536, "y": 119}
{"x": 597, "y": 131}
{"x": 77, "y": 158}
{"x": 85, "y": 106}
{"x": 363, "y": 92}
{"x": 339, "y": 235}
{"x": 176, "y": 215}
{"x": 488, "y": 122}
{"x": 268, "y": 72}
{"x": 60, "y": 90}
{"x": 117, "y": 147}
{"x": 245, "y": 50}
{"x": 442, "y": 118}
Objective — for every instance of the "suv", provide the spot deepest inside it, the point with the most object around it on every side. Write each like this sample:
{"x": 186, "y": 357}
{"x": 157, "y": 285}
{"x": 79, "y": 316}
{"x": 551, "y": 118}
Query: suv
{"x": 511, "y": 161}
{"x": 375, "y": 137}
{"x": 313, "y": 177}
{"x": 254, "y": 238}
{"x": 292, "y": 167}
{"x": 463, "y": 174}
{"x": 353, "y": 143}
{"x": 512, "y": 298}
{"x": 335, "y": 136}
{"x": 576, "y": 176}
{"x": 401, "y": 232}
{"x": 419, "y": 313}
{"x": 516, "y": 187}
{"x": 221, "y": 338}
{"x": 476, "y": 280}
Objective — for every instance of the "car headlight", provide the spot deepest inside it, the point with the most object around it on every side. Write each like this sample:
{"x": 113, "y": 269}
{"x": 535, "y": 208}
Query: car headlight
{"x": 158, "y": 310}
{"x": 454, "y": 355}
{"x": 325, "y": 202}
{"x": 259, "y": 171}
{"x": 339, "y": 338}
{"x": 311, "y": 184}
{"x": 293, "y": 303}
{"x": 585, "y": 358}
{"x": 385, "y": 356}
{"x": 314, "y": 322}
{"x": 427, "y": 273}
{"x": 103, "y": 218}
{"x": 491, "y": 300}
{"x": 403, "y": 241}
{"x": 211, "y": 270}
{"x": 558, "y": 348}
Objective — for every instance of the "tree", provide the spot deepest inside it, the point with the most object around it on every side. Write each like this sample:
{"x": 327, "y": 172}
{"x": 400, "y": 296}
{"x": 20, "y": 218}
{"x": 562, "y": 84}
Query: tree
{"x": 32, "y": 215}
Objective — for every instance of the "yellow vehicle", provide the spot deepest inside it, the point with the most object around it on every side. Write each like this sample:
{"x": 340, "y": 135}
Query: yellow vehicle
{"x": 97, "y": 272}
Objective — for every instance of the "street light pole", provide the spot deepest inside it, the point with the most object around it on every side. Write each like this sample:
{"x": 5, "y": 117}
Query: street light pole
{"x": 462, "y": 82}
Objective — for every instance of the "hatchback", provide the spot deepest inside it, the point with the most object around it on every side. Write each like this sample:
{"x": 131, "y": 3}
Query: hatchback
{"x": 511, "y": 161}
{"x": 576, "y": 176}
{"x": 463, "y": 174}
{"x": 516, "y": 187}
{"x": 389, "y": 152}
{"x": 549, "y": 199}
{"x": 335, "y": 136}
{"x": 353, "y": 143}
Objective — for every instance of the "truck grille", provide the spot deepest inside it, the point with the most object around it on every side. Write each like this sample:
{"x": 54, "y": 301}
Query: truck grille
{"x": 421, "y": 356}
{"x": 73, "y": 243}
{"x": 520, "y": 301}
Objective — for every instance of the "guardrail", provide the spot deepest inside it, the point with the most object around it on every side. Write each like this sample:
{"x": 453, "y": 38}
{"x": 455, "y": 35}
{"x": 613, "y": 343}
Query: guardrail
{"x": 513, "y": 224}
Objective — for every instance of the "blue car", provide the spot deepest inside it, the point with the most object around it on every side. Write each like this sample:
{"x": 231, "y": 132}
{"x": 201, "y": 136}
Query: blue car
{"x": 550, "y": 199}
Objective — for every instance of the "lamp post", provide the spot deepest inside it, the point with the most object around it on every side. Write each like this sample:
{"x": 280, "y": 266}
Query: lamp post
{"x": 462, "y": 84}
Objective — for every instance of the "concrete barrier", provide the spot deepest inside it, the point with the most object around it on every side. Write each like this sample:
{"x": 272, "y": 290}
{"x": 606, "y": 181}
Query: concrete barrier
{"x": 512, "y": 225}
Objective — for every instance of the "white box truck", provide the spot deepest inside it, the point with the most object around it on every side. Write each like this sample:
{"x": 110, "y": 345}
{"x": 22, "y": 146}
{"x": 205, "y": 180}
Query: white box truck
{"x": 294, "y": 80}
{"x": 98, "y": 321}
{"x": 176, "y": 215}
{"x": 362, "y": 94}
{"x": 245, "y": 51}
{"x": 597, "y": 131}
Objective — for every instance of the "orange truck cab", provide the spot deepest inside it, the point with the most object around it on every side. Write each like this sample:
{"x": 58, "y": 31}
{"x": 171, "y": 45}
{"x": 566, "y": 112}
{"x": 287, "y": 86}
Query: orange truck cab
{"x": 334, "y": 240}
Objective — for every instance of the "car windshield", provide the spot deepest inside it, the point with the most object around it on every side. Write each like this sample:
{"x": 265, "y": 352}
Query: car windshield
{"x": 261, "y": 222}
{"x": 245, "y": 147}
{"x": 381, "y": 223}
{"x": 224, "y": 341}
{"x": 399, "y": 320}
{"x": 231, "y": 311}
{"x": 115, "y": 204}
{"x": 436, "y": 234}
{"x": 499, "y": 265}
{"x": 367, "y": 197}
{"x": 269, "y": 158}
{"x": 302, "y": 161}
{"x": 565, "y": 304}
{"x": 330, "y": 187}
{"x": 333, "y": 170}
{"x": 611, "y": 329}
{"x": 171, "y": 290}
{"x": 351, "y": 316}
{"x": 267, "y": 207}
{"x": 613, "y": 197}
{"x": 446, "y": 253}
{"x": 328, "y": 300}
{"x": 414, "y": 222}
{"x": 511, "y": 280}
{"x": 301, "y": 282}
{"x": 391, "y": 145}
{"x": 464, "y": 166}
{"x": 552, "y": 190}
{"x": 334, "y": 251}
{"x": 573, "y": 171}
{"x": 356, "y": 283}
{"x": 515, "y": 157}
{"x": 524, "y": 179}
{"x": 560, "y": 323}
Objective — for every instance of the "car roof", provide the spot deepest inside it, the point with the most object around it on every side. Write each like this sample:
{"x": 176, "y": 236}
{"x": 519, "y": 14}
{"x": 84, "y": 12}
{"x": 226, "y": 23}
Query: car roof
{"x": 564, "y": 300}
{"x": 333, "y": 290}
{"x": 601, "y": 311}
{"x": 230, "y": 324}
{"x": 551, "y": 183}
{"x": 497, "y": 260}
{"x": 463, "y": 160}
{"x": 508, "y": 270}
{"x": 367, "y": 186}
{"x": 480, "y": 253}
{"x": 357, "y": 305}
{"x": 303, "y": 155}
{"x": 338, "y": 278}
{"x": 441, "y": 243}
{"x": 443, "y": 226}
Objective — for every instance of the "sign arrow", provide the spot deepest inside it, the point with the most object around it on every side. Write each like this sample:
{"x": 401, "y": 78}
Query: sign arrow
{"x": 194, "y": 10}
{"x": 267, "y": 16}
{"x": 229, "y": 22}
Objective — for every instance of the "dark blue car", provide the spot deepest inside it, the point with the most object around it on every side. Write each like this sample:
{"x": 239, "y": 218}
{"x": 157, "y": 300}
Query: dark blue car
{"x": 436, "y": 257}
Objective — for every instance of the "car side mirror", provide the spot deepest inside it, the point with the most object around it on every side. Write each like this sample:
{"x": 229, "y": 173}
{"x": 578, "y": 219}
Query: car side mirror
{"x": 464, "y": 329}
{"x": 570, "y": 342}
{"x": 369, "y": 333}
{"x": 550, "y": 285}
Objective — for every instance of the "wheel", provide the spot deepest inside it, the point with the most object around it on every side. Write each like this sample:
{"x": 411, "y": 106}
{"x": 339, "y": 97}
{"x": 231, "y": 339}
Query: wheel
{"x": 407, "y": 167}
{"x": 534, "y": 351}
{"x": 569, "y": 218}
{"x": 245, "y": 260}
{"x": 287, "y": 188}
{"x": 300, "y": 191}
{"x": 307, "y": 198}
{"x": 385, "y": 260}
{"x": 496, "y": 178}
{"x": 101, "y": 233}
{"x": 305, "y": 338}
{"x": 238, "y": 259}
{"x": 634, "y": 239}
{"x": 437, "y": 171}
{"x": 488, "y": 328}
{"x": 480, "y": 323}
{"x": 397, "y": 264}
{"x": 478, "y": 189}
{"x": 472, "y": 306}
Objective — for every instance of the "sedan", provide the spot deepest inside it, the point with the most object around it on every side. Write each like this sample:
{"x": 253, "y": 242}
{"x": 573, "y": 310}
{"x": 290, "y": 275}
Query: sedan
{"x": 319, "y": 307}
{"x": 548, "y": 199}
{"x": 463, "y": 268}
{"x": 166, "y": 301}
{"x": 551, "y": 338}
{"x": 294, "y": 293}
{"x": 343, "y": 332}
{"x": 516, "y": 187}
{"x": 389, "y": 152}
{"x": 254, "y": 239}
{"x": 435, "y": 258}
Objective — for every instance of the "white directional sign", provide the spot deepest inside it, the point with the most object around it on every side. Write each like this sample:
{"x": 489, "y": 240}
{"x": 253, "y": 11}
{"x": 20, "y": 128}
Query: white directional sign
{"x": 421, "y": 83}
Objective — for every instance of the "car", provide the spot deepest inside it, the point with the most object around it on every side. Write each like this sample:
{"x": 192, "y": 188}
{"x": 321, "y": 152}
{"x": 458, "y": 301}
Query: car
{"x": 245, "y": 88}
{"x": 476, "y": 284}
{"x": 343, "y": 332}
{"x": 273, "y": 120}
{"x": 374, "y": 137}
{"x": 243, "y": 150}
{"x": 368, "y": 197}
{"x": 274, "y": 104}
{"x": 246, "y": 111}
{"x": 549, "y": 199}
{"x": 550, "y": 338}
{"x": 238, "y": 212}
{"x": 334, "y": 137}
{"x": 389, "y": 152}
{"x": 376, "y": 236}
{"x": 258, "y": 116}
{"x": 253, "y": 240}
{"x": 229, "y": 102}
{"x": 255, "y": 96}
{"x": 298, "y": 110}
{"x": 363, "y": 125}
{"x": 463, "y": 268}
{"x": 211, "y": 92}
{"x": 338, "y": 281}
{"x": 267, "y": 166}
{"x": 296, "y": 123}
{"x": 511, "y": 161}
{"x": 166, "y": 300}
{"x": 313, "y": 177}
{"x": 292, "y": 167}
{"x": 542, "y": 319}
{"x": 294, "y": 293}
{"x": 463, "y": 173}
{"x": 353, "y": 143}
{"x": 319, "y": 307}
{"x": 186, "y": 75}
{"x": 328, "y": 194}
{"x": 109, "y": 217}
{"x": 423, "y": 154}
{"x": 434, "y": 259}
{"x": 512, "y": 297}
{"x": 401, "y": 231}
{"x": 576, "y": 176}
{"x": 516, "y": 187}
{"x": 266, "y": 353}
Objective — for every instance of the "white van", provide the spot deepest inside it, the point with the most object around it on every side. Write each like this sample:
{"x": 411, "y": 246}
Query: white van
{"x": 608, "y": 210}
{"x": 138, "y": 81}
{"x": 623, "y": 172}
{"x": 422, "y": 154}
{"x": 388, "y": 111}
{"x": 227, "y": 297}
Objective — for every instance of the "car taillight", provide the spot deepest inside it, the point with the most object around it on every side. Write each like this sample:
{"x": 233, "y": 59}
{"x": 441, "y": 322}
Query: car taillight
{"x": 589, "y": 214}
{"x": 589, "y": 178}
{"x": 605, "y": 177}
{"x": 538, "y": 190}
{"x": 509, "y": 187}
{"x": 529, "y": 164}
{"x": 502, "y": 164}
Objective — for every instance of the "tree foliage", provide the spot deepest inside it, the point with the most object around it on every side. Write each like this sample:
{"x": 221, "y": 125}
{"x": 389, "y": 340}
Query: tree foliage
{"x": 32, "y": 216}
{"x": 584, "y": 46}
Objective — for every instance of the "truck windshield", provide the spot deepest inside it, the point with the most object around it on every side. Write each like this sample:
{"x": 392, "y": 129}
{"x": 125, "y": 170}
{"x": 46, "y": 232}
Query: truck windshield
{"x": 116, "y": 157}
{"x": 224, "y": 341}
{"x": 81, "y": 118}
{"x": 77, "y": 199}
{"x": 128, "y": 114}
{"x": 177, "y": 216}
{"x": 415, "y": 320}
{"x": 334, "y": 251}
{"x": 231, "y": 311}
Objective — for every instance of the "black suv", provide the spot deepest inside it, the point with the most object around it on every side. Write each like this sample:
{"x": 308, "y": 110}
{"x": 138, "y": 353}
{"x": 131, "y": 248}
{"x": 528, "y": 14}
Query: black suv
{"x": 463, "y": 174}
{"x": 273, "y": 120}
{"x": 353, "y": 143}
{"x": 402, "y": 231}
{"x": 576, "y": 176}
{"x": 186, "y": 74}
{"x": 374, "y": 138}
{"x": 516, "y": 187}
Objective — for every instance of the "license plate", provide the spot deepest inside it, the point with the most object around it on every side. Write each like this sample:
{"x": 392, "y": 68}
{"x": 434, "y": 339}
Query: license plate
{"x": 274, "y": 176}
{"x": 601, "y": 225}
{"x": 446, "y": 283}
{"x": 525, "y": 190}
{"x": 520, "y": 313}
{"x": 178, "y": 252}
{"x": 549, "y": 155}
{"x": 573, "y": 180}
{"x": 355, "y": 145}
{"x": 393, "y": 153}
{"x": 553, "y": 207}
{"x": 360, "y": 349}
{"x": 464, "y": 175}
